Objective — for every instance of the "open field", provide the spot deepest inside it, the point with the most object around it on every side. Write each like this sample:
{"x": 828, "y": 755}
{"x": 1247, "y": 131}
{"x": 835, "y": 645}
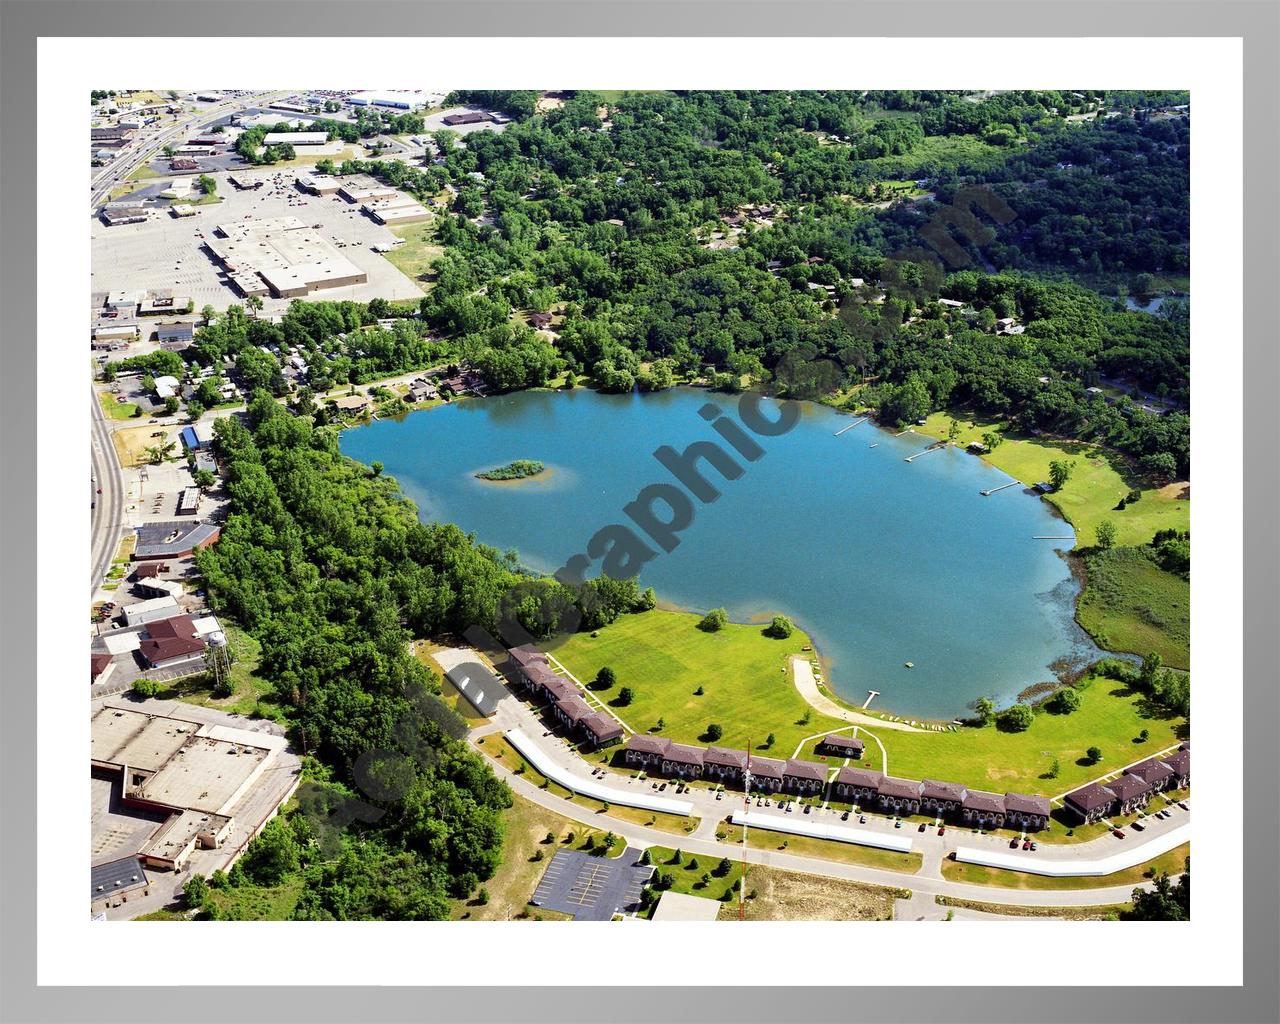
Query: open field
{"x": 519, "y": 874}
{"x": 258, "y": 903}
{"x": 415, "y": 256}
{"x": 501, "y": 750}
{"x": 665, "y": 658}
{"x": 1170, "y": 863}
{"x": 131, "y": 444}
{"x": 1131, "y": 604}
{"x": 1095, "y": 488}
{"x": 792, "y": 896}
{"x": 1110, "y": 716}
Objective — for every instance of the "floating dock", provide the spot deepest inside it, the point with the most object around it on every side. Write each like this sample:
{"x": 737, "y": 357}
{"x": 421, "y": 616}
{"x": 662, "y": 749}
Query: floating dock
{"x": 992, "y": 490}
{"x": 850, "y": 426}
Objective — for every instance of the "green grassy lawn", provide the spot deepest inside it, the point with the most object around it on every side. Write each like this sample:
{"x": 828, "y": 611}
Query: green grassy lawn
{"x": 419, "y": 251}
{"x": 665, "y": 658}
{"x": 687, "y": 872}
{"x": 143, "y": 172}
{"x": 117, "y": 410}
{"x": 1096, "y": 486}
{"x": 827, "y": 849}
{"x": 201, "y": 200}
{"x": 1131, "y": 604}
{"x": 1103, "y": 913}
{"x": 1110, "y": 717}
{"x": 1170, "y": 863}
{"x": 250, "y": 693}
{"x": 260, "y": 903}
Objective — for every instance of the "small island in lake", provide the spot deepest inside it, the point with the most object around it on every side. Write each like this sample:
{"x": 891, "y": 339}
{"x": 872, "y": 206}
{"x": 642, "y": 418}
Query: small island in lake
{"x": 518, "y": 470}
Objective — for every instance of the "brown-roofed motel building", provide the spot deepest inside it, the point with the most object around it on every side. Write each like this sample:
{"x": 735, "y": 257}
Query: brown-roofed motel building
{"x": 663, "y": 757}
{"x": 532, "y": 670}
{"x": 1132, "y": 790}
{"x": 943, "y": 799}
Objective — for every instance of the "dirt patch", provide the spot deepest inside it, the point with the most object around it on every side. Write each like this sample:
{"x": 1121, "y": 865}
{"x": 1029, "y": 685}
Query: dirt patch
{"x": 1178, "y": 491}
{"x": 791, "y": 896}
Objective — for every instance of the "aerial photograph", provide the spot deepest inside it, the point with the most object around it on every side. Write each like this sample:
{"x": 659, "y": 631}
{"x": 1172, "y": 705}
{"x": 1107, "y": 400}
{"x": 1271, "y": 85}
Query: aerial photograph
{"x": 607, "y": 505}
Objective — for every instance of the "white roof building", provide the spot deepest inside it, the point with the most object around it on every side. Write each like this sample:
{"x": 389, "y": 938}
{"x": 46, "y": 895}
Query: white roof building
{"x": 166, "y": 387}
{"x": 151, "y": 611}
{"x": 296, "y": 138}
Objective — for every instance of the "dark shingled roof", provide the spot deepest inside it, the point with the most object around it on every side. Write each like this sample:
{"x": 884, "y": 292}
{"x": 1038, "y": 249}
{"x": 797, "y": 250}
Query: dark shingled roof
{"x": 899, "y": 788}
{"x": 977, "y": 800}
{"x": 1021, "y": 803}
{"x": 527, "y": 654}
{"x": 561, "y": 689}
{"x": 859, "y": 777}
{"x": 648, "y": 744}
{"x": 1180, "y": 762}
{"x": 574, "y": 708}
{"x": 1090, "y": 797}
{"x": 799, "y": 769}
{"x": 934, "y": 790}
{"x": 725, "y": 756}
{"x": 683, "y": 754}
{"x": 171, "y": 638}
{"x": 115, "y": 876}
{"x": 601, "y": 726}
{"x": 767, "y": 767}
{"x": 1151, "y": 771}
{"x": 539, "y": 673}
{"x": 1128, "y": 786}
{"x": 843, "y": 742}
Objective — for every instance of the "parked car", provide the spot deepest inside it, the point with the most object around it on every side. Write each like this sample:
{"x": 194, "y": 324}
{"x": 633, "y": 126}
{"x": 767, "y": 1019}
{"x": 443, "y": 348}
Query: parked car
{"x": 845, "y": 816}
{"x": 942, "y": 830}
{"x": 1026, "y": 845}
{"x": 1033, "y": 846}
{"x": 922, "y": 827}
{"x": 897, "y": 823}
{"x": 1013, "y": 844}
{"x": 1117, "y": 833}
{"x": 862, "y": 819}
{"x": 808, "y": 808}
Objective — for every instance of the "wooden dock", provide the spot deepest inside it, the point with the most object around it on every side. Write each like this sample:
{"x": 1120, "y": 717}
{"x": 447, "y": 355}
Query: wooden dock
{"x": 850, "y": 426}
{"x": 932, "y": 448}
{"x": 992, "y": 490}
{"x": 871, "y": 695}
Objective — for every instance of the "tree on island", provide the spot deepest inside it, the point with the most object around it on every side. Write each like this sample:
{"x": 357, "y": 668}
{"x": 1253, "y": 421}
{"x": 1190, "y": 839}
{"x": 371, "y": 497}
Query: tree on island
{"x": 780, "y": 628}
{"x": 1059, "y": 473}
{"x": 714, "y": 620}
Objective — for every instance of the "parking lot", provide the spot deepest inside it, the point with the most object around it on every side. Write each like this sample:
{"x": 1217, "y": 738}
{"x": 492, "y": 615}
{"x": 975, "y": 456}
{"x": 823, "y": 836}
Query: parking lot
{"x": 592, "y": 888}
{"x": 166, "y": 252}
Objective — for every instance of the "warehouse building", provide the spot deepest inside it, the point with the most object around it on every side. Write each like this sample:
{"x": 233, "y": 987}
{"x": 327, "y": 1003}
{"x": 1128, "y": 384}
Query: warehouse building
{"x": 283, "y": 254}
{"x": 296, "y": 138}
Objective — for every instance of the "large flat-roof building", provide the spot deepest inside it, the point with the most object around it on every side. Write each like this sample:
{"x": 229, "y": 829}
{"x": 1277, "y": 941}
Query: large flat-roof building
{"x": 295, "y": 138}
{"x": 281, "y": 255}
{"x": 392, "y": 99}
{"x": 187, "y": 776}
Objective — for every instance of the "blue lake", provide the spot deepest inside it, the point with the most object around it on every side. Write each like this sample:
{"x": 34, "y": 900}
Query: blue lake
{"x": 881, "y": 561}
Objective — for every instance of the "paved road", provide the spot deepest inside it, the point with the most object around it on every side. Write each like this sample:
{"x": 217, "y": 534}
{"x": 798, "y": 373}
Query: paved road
{"x": 640, "y": 836}
{"x": 108, "y": 510}
{"x": 146, "y": 145}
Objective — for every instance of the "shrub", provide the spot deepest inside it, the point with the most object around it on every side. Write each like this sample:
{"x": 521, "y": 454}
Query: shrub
{"x": 1016, "y": 719}
{"x": 605, "y": 679}
{"x": 714, "y": 732}
{"x": 1065, "y": 701}
{"x": 714, "y": 620}
{"x": 780, "y": 628}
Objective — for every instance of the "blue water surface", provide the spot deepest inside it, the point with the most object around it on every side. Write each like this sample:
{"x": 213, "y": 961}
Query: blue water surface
{"x": 881, "y": 561}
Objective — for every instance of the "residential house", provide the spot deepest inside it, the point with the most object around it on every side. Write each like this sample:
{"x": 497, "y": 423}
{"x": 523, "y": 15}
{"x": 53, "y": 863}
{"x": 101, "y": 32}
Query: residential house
{"x": 942, "y": 798}
{"x": 1089, "y": 803}
{"x": 983, "y": 810}
{"x": 899, "y": 796}
{"x": 602, "y": 730}
{"x": 804, "y": 776}
{"x": 682, "y": 760}
{"x": 1029, "y": 813}
{"x": 724, "y": 765}
{"x": 1156, "y": 774}
{"x": 766, "y": 774}
{"x": 1132, "y": 794}
{"x": 571, "y": 712}
{"x": 645, "y": 751}
{"x": 857, "y": 785}
{"x": 1180, "y": 765}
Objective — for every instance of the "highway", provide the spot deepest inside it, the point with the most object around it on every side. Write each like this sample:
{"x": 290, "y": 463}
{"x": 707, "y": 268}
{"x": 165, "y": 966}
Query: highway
{"x": 108, "y": 507}
{"x": 147, "y": 143}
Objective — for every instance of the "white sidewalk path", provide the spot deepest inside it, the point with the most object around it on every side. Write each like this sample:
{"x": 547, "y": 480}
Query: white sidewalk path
{"x": 836, "y": 833}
